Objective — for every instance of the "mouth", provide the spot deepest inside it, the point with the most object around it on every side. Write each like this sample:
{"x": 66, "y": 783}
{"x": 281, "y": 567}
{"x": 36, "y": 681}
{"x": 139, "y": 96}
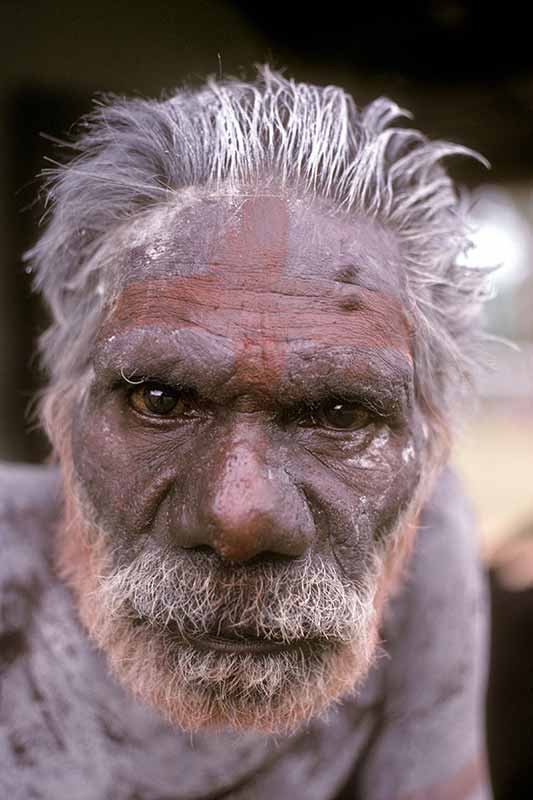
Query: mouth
{"x": 238, "y": 641}
{"x": 245, "y": 644}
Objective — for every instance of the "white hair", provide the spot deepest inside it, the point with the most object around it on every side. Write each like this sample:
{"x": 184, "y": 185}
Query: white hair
{"x": 136, "y": 154}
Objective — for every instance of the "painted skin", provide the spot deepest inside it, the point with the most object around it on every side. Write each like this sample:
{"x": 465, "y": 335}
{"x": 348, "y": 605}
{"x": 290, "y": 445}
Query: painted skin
{"x": 255, "y": 309}
{"x": 414, "y": 731}
{"x": 262, "y": 306}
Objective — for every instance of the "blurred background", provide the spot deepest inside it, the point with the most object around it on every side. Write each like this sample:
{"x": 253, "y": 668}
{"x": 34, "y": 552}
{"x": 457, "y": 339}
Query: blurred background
{"x": 465, "y": 70}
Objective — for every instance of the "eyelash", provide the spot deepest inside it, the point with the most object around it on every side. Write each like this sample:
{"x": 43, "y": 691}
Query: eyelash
{"x": 305, "y": 415}
{"x": 308, "y": 416}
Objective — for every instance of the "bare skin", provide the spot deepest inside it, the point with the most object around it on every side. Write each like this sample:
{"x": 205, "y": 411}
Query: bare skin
{"x": 67, "y": 729}
{"x": 257, "y": 405}
{"x": 252, "y": 405}
{"x": 281, "y": 316}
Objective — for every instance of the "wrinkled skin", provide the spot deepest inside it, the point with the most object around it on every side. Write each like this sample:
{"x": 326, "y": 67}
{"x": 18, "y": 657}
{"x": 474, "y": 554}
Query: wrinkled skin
{"x": 414, "y": 730}
{"x": 262, "y": 307}
{"x": 257, "y": 308}
{"x": 276, "y": 337}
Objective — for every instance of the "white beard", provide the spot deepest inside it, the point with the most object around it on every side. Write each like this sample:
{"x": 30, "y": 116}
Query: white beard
{"x": 197, "y": 594}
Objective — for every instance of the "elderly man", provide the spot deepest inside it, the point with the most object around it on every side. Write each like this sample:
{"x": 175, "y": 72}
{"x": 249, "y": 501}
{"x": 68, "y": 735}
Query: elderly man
{"x": 253, "y": 576}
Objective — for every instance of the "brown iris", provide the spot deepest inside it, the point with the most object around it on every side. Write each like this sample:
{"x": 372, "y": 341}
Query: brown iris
{"x": 341, "y": 415}
{"x": 157, "y": 399}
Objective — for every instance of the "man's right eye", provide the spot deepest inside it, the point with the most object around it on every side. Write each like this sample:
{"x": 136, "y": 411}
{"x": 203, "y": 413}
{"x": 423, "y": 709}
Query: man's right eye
{"x": 160, "y": 400}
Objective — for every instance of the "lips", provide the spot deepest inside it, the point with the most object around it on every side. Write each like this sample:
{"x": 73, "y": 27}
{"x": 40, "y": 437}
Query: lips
{"x": 251, "y": 645}
{"x": 238, "y": 641}
{"x": 232, "y": 642}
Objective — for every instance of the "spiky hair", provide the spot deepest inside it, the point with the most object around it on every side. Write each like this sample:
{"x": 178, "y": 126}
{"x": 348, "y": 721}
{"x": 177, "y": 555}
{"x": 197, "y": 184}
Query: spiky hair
{"x": 136, "y": 154}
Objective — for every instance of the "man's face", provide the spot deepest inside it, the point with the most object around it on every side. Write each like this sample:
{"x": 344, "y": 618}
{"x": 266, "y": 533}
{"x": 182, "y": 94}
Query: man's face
{"x": 244, "y": 457}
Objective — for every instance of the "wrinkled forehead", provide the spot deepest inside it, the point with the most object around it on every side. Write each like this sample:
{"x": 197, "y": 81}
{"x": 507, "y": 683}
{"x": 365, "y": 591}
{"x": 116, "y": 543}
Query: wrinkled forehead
{"x": 265, "y": 236}
{"x": 264, "y": 284}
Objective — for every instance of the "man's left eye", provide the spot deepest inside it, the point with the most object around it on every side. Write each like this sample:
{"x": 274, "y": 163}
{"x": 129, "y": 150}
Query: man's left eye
{"x": 341, "y": 415}
{"x": 159, "y": 400}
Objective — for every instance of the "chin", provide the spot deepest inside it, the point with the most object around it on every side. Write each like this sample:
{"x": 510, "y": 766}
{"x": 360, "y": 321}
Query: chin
{"x": 215, "y": 684}
{"x": 212, "y": 681}
{"x": 200, "y": 688}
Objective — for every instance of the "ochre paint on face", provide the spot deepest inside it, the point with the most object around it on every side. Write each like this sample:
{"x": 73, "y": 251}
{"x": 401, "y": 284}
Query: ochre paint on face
{"x": 278, "y": 301}
{"x": 260, "y": 306}
{"x": 249, "y": 297}
{"x": 274, "y": 281}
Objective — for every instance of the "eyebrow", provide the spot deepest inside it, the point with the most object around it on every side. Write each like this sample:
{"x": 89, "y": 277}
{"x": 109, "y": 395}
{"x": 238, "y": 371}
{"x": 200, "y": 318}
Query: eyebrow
{"x": 381, "y": 377}
{"x": 182, "y": 356}
{"x": 201, "y": 361}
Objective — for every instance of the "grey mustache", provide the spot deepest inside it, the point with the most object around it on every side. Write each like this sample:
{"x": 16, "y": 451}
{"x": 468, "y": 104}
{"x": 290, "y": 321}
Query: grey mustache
{"x": 268, "y": 601}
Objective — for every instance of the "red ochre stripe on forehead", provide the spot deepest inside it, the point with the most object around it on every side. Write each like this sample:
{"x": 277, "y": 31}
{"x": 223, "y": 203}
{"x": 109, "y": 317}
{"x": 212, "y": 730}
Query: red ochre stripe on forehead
{"x": 246, "y": 295}
{"x": 304, "y": 310}
{"x": 261, "y": 326}
{"x": 261, "y": 228}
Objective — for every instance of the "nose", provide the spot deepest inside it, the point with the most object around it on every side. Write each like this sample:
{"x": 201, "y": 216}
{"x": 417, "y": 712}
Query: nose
{"x": 250, "y": 509}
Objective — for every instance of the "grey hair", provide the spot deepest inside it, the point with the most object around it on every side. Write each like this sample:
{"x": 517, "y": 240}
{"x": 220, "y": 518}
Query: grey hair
{"x": 135, "y": 154}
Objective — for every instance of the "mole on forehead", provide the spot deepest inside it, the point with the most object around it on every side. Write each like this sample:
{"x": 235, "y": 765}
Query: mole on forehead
{"x": 287, "y": 236}
{"x": 275, "y": 275}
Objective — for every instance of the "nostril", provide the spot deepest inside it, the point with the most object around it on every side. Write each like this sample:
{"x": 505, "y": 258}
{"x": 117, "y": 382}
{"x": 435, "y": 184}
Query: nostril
{"x": 259, "y": 559}
{"x": 200, "y": 549}
{"x": 203, "y": 548}
{"x": 269, "y": 557}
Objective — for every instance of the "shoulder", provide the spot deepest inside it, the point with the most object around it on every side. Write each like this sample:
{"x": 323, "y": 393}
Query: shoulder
{"x": 447, "y": 524}
{"x": 30, "y": 503}
{"x": 28, "y": 489}
{"x": 439, "y": 613}
{"x": 430, "y": 738}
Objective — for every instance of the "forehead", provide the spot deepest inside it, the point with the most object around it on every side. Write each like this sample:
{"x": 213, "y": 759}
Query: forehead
{"x": 263, "y": 286}
{"x": 266, "y": 236}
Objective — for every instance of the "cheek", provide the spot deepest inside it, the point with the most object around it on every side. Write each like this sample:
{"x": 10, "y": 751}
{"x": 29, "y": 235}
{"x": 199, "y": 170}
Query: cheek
{"x": 358, "y": 494}
{"x": 132, "y": 477}
{"x": 125, "y": 470}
